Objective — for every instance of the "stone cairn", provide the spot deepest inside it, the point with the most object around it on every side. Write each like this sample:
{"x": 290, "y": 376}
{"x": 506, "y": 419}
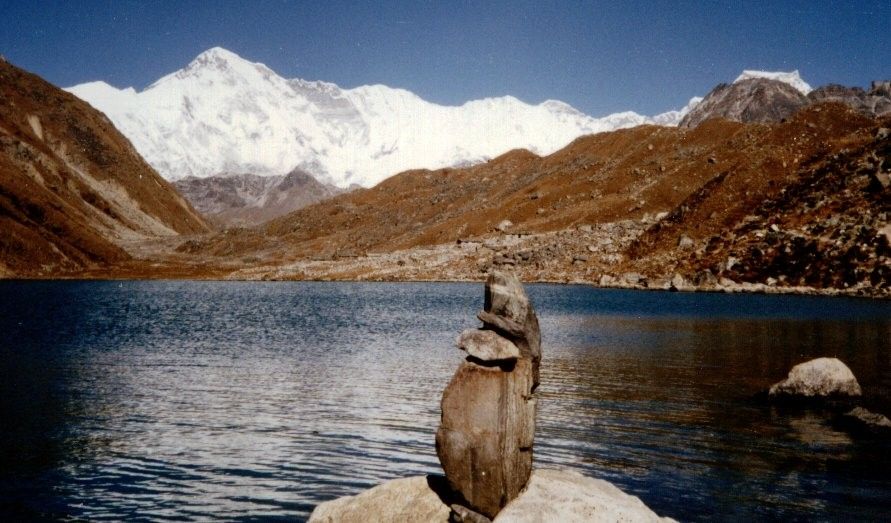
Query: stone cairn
{"x": 485, "y": 438}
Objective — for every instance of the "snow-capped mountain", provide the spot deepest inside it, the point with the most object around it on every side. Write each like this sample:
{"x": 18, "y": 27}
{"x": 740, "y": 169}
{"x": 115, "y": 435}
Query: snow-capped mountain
{"x": 791, "y": 78}
{"x": 225, "y": 114}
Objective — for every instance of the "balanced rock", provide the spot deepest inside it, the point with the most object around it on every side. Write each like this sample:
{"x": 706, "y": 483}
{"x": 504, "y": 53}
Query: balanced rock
{"x": 819, "y": 378}
{"x": 485, "y": 437}
{"x": 486, "y": 345}
{"x": 508, "y": 312}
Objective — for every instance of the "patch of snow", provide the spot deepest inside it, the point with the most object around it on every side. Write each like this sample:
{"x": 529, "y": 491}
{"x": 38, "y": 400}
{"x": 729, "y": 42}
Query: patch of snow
{"x": 792, "y": 78}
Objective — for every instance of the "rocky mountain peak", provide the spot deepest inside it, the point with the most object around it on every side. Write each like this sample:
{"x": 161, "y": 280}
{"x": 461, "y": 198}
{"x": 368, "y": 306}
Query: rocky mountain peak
{"x": 748, "y": 100}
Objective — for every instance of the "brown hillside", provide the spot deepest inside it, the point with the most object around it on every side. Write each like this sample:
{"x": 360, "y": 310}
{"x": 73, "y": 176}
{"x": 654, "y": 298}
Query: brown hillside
{"x": 73, "y": 190}
{"x": 601, "y": 178}
{"x": 601, "y": 190}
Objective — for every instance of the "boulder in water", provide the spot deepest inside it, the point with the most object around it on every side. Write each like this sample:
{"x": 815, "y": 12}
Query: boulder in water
{"x": 819, "y": 378}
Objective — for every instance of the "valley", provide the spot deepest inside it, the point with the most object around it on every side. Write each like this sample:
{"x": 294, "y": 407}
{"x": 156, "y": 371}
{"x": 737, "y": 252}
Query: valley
{"x": 766, "y": 185}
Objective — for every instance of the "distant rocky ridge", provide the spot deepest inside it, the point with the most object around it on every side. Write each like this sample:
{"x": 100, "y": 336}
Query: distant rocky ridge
{"x": 74, "y": 193}
{"x": 789, "y": 206}
{"x": 759, "y": 99}
{"x": 248, "y": 199}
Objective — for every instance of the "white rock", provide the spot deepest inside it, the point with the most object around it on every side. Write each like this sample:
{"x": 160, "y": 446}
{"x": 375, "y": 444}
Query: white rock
{"x": 818, "y": 378}
{"x": 568, "y": 497}
{"x": 504, "y": 225}
{"x": 405, "y": 499}
{"x": 551, "y": 495}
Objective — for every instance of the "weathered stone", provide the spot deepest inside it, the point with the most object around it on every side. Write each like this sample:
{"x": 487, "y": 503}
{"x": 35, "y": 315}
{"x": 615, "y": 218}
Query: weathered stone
{"x": 818, "y": 378}
{"x": 508, "y": 312}
{"x": 569, "y": 497}
{"x": 551, "y": 495}
{"x": 483, "y": 439}
{"x": 418, "y": 499}
{"x": 504, "y": 225}
{"x": 487, "y": 345}
{"x": 679, "y": 283}
{"x": 685, "y": 242}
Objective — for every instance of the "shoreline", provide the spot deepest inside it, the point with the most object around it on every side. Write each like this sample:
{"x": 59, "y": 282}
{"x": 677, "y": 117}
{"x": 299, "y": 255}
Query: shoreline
{"x": 738, "y": 288}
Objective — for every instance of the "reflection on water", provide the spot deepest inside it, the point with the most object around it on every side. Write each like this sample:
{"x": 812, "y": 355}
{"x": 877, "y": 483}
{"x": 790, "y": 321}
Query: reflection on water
{"x": 185, "y": 400}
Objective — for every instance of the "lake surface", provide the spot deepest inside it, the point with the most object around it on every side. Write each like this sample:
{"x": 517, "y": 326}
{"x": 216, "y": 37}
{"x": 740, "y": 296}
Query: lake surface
{"x": 255, "y": 401}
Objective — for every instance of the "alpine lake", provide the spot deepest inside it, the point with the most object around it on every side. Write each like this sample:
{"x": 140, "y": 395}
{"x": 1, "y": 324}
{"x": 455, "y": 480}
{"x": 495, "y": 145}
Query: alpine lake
{"x": 182, "y": 400}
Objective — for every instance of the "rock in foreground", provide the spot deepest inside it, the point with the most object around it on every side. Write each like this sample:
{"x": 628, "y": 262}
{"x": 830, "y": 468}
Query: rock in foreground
{"x": 819, "y": 378}
{"x": 552, "y": 495}
{"x": 569, "y": 497}
{"x": 485, "y": 438}
{"x": 405, "y": 499}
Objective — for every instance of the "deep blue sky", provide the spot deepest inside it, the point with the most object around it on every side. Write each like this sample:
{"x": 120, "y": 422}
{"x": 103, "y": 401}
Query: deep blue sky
{"x": 601, "y": 57}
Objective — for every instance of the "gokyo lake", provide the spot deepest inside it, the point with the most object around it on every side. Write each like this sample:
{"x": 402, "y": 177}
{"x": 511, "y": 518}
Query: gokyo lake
{"x": 256, "y": 401}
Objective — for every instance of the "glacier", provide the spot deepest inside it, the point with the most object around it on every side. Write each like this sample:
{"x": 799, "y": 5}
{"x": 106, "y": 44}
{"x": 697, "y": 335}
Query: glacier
{"x": 222, "y": 113}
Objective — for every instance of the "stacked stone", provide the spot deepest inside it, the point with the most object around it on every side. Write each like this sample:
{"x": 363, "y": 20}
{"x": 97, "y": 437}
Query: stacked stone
{"x": 485, "y": 438}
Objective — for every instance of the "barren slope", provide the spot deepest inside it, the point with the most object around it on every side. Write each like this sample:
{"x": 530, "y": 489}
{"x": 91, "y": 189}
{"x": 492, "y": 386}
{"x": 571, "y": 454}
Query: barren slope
{"x": 645, "y": 203}
{"x": 72, "y": 188}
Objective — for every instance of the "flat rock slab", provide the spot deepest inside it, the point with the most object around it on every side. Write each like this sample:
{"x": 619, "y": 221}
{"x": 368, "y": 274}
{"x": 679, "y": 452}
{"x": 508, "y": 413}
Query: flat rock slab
{"x": 552, "y": 495}
{"x": 818, "y": 378}
{"x": 569, "y": 497}
{"x": 406, "y": 499}
{"x": 487, "y": 345}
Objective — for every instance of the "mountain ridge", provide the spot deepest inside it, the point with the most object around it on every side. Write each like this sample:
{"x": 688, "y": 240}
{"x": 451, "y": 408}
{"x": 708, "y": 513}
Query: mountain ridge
{"x": 341, "y": 136}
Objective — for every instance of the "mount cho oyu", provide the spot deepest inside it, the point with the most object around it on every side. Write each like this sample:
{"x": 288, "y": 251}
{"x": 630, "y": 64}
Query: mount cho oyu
{"x": 224, "y": 114}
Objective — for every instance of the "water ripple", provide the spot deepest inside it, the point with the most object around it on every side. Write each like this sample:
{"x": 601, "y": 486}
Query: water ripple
{"x": 185, "y": 401}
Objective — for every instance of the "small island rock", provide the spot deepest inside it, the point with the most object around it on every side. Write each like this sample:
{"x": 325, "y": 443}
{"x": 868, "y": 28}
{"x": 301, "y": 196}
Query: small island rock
{"x": 819, "y": 378}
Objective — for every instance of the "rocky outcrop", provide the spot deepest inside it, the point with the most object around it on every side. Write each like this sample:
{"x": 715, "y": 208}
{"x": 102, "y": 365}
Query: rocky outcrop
{"x": 764, "y": 100}
{"x": 485, "y": 438}
{"x": 875, "y": 102}
{"x": 552, "y": 495}
{"x": 570, "y": 497}
{"x": 406, "y": 499}
{"x": 819, "y": 378}
{"x": 248, "y": 199}
{"x": 754, "y": 100}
